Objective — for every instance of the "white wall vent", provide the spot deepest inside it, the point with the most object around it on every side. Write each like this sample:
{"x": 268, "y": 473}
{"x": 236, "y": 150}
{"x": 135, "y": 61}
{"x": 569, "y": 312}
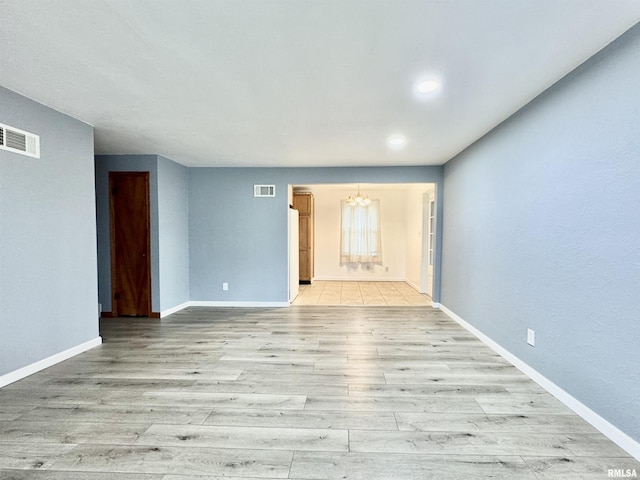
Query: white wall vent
{"x": 19, "y": 141}
{"x": 264, "y": 190}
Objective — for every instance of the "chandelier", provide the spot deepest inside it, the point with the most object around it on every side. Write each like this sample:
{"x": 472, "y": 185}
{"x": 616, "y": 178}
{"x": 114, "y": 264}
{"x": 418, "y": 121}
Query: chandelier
{"x": 359, "y": 199}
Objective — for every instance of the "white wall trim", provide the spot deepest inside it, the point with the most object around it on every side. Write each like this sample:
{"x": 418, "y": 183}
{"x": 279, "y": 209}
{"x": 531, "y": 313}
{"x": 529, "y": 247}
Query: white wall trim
{"x": 198, "y": 303}
{"x": 436, "y": 305}
{"x": 237, "y": 304}
{"x": 359, "y": 279}
{"x": 177, "y": 308}
{"x": 616, "y": 435}
{"x": 48, "y": 362}
{"x": 415, "y": 287}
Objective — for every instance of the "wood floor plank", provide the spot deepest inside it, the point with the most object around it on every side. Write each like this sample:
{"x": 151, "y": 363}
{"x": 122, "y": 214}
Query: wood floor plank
{"x": 595, "y": 445}
{"x": 393, "y": 404}
{"x": 106, "y": 383}
{"x": 286, "y": 358}
{"x": 71, "y": 432}
{"x": 344, "y": 377}
{"x": 303, "y": 419}
{"x": 425, "y": 391}
{"x": 12, "y": 412}
{"x": 117, "y": 414}
{"x": 524, "y": 404}
{"x": 210, "y": 477}
{"x": 580, "y": 468}
{"x": 272, "y": 438}
{"x": 66, "y": 475}
{"x": 32, "y": 456}
{"x": 35, "y": 396}
{"x": 370, "y": 466}
{"x": 424, "y": 368}
{"x": 463, "y": 443}
{"x": 209, "y": 400}
{"x": 417, "y": 378}
{"x": 463, "y": 422}
{"x": 172, "y": 374}
{"x": 176, "y": 460}
{"x": 271, "y": 367}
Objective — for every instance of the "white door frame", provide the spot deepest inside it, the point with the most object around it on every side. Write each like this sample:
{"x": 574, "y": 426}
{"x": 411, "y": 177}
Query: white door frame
{"x": 428, "y": 242}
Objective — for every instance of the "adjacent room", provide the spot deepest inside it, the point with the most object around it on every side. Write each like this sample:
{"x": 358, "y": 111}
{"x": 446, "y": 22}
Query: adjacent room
{"x": 319, "y": 240}
{"x": 400, "y": 273}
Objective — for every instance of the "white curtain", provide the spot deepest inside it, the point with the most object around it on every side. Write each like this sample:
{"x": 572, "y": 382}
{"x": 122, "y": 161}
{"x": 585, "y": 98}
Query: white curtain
{"x": 361, "y": 237}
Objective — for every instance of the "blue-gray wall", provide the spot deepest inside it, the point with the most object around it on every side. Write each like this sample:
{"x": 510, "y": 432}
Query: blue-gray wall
{"x": 169, "y": 204}
{"x": 207, "y": 227}
{"x": 48, "y": 277}
{"x": 173, "y": 231}
{"x": 542, "y": 231}
{"x": 237, "y": 238}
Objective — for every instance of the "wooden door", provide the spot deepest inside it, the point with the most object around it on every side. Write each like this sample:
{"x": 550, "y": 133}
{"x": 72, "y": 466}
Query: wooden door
{"x": 130, "y": 244}
{"x": 302, "y": 203}
{"x": 304, "y": 250}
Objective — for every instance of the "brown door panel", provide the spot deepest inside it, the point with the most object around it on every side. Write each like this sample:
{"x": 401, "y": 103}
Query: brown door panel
{"x": 130, "y": 243}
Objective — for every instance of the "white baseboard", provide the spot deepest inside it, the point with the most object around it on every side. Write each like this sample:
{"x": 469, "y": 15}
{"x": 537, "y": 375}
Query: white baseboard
{"x": 359, "y": 279}
{"x": 436, "y": 305}
{"x": 48, "y": 362}
{"x": 237, "y": 304}
{"x": 415, "y": 287}
{"x": 616, "y": 435}
{"x": 182, "y": 306}
{"x": 197, "y": 303}
{"x": 177, "y": 308}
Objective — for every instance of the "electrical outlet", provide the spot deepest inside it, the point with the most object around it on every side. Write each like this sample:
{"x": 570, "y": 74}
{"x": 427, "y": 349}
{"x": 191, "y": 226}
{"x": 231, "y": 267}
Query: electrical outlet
{"x": 225, "y": 286}
{"x": 531, "y": 337}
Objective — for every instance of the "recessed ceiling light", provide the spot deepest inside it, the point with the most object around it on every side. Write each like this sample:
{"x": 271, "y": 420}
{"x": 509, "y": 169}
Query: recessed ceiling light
{"x": 426, "y": 86}
{"x": 397, "y": 141}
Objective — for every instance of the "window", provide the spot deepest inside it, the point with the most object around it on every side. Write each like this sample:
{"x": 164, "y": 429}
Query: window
{"x": 361, "y": 236}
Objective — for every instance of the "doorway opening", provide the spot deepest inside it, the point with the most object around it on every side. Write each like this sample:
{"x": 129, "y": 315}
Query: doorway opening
{"x": 409, "y": 245}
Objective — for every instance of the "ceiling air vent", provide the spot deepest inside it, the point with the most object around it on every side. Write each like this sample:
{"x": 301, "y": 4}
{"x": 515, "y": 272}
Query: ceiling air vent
{"x": 19, "y": 141}
{"x": 264, "y": 190}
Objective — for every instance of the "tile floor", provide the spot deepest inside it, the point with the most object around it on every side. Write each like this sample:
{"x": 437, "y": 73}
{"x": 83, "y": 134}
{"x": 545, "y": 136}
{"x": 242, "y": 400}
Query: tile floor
{"x": 299, "y": 393}
{"x": 360, "y": 293}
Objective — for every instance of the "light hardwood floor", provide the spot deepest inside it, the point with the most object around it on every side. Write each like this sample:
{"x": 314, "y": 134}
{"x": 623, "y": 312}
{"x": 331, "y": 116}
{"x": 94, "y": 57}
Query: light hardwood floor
{"x": 313, "y": 392}
{"x": 360, "y": 293}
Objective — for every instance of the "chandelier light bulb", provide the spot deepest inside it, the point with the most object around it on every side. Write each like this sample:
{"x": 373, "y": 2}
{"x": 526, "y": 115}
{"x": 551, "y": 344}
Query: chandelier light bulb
{"x": 358, "y": 200}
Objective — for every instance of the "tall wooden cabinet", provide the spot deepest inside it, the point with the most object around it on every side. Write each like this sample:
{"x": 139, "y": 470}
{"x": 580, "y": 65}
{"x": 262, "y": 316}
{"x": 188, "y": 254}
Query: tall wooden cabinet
{"x": 303, "y": 202}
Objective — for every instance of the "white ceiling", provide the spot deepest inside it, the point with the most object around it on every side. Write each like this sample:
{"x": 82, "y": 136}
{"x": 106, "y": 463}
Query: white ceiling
{"x": 293, "y": 82}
